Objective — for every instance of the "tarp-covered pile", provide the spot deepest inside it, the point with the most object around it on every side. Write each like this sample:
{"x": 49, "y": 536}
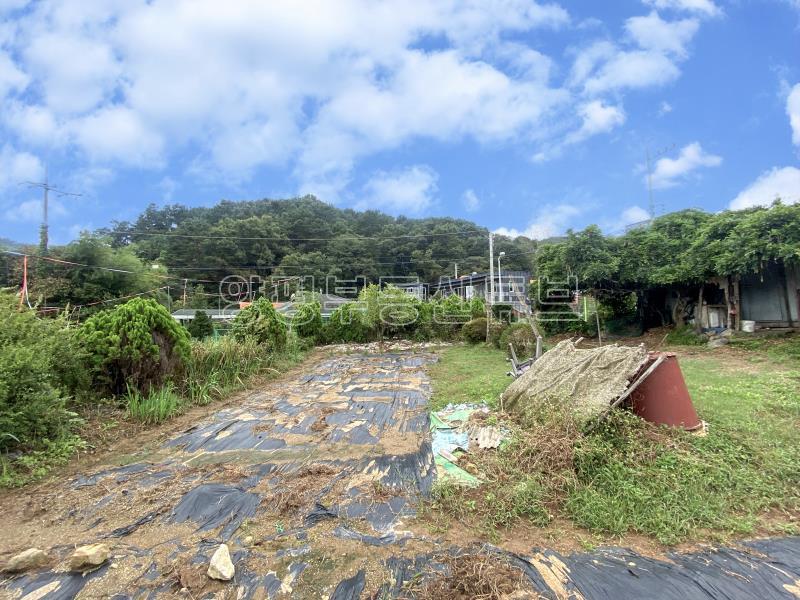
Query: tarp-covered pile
{"x": 588, "y": 379}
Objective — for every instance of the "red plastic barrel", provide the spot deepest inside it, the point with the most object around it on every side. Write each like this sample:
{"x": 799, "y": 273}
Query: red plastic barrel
{"x": 663, "y": 396}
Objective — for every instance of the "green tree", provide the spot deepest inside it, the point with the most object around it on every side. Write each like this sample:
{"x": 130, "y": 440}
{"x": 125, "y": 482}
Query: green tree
{"x": 136, "y": 344}
{"x": 307, "y": 320}
{"x": 201, "y": 326}
{"x": 262, "y": 324}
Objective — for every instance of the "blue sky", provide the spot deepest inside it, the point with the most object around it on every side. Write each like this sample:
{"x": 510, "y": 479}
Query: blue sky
{"x": 526, "y": 117}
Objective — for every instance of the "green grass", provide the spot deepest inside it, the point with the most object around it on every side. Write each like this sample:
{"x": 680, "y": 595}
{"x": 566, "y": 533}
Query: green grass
{"x": 469, "y": 374}
{"x": 780, "y": 348}
{"x": 156, "y": 406}
{"x": 684, "y": 336}
{"x": 633, "y": 477}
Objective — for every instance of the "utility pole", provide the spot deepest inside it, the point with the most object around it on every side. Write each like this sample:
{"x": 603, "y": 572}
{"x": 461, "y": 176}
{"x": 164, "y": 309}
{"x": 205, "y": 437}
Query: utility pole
{"x": 46, "y": 189}
{"x": 491, "y": 269}
{"x": 456, "y": 270}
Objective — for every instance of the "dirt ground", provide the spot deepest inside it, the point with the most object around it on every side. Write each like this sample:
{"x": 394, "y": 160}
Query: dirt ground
{"x": 313, "y": 481}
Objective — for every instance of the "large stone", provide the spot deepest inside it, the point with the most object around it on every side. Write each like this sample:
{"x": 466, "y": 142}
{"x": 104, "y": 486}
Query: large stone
{"x": 717, "y": 342}
{"x": 89, "y": 557}
{"x": 32, "y": 558}
{"x": 221, "y": 566}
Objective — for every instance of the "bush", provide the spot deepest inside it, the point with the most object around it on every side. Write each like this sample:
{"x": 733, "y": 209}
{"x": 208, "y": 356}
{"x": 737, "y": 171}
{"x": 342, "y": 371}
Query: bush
{"x": 346, "y": 325}
{"x": 496, "y": 329}
{"x": 474, "y": 331}
{"x": 523, "y": 338}
{"x": 502, "y": 312}
{"x": 201, "y": 326}
{"x": 307, "y": 321}
{"x": 40, "y": 369}
{"x": 477, "y": 308}
{"x": 137, "y": 344}
{"x": 260, "y": 323}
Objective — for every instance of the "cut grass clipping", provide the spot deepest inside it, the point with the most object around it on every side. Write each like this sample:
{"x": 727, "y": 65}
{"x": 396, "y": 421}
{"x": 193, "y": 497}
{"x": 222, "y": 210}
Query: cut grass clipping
{"x": 476, "y": 575}
{"x": 630, "y": 476}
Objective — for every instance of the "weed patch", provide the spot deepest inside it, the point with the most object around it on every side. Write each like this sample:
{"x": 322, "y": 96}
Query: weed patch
{"x": 154, "y": 407}
{"x": 630, "y": 476}
{"x": 476, "y": 575}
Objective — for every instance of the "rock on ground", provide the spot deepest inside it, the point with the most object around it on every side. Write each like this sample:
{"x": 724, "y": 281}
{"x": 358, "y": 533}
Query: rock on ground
{"x": 89, "y": 557}
{"x": 221, "y": 566}
{"x": 32, "y": 558}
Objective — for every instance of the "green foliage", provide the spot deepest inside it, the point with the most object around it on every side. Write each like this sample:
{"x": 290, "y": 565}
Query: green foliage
{"x": 35, "y": 464}
{"x": 682, "y": 247}
{"x": 474, "y": 331}
{"x": 40, "y": 372}
{"x": 136, "y": 344}
{"x": 260, "y": 323}
{"x": 388, "y": 311}
{"x": 346, "y": 325}
{"x": 307, "y": 321}
{"x": 334, "y": 247}
{"x": 523, "y": 338}
{"x": 157, "y": 405}
{"x": 477, "y": 308}
{"x": 449, "y": 315}
{"x": 201, "y": 326}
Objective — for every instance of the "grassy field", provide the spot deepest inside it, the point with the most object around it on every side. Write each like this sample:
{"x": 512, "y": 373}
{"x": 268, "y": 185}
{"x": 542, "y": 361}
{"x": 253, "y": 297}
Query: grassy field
{"x": 474, "y": 374}
{"x": 632, "y": 477}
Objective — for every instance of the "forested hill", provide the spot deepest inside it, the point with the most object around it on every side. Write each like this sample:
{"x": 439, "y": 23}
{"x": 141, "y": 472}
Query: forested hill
{"x": 309, "y": 237}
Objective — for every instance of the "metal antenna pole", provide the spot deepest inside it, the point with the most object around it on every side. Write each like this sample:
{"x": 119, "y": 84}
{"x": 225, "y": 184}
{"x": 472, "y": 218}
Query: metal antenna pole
{"x": 46, "y": 188}
{"x": 649, "y": 165}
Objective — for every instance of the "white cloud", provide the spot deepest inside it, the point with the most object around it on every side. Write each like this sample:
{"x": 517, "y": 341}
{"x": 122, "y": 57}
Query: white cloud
{"x": 410, "y": 191}
{"x": 778, "y": 182}
{"x": 664, "y": 109}
{"x": 470, "y": 201}
{"x": 596, "y": 118}
{"x": 549, "y": 221}
{"x": 76, "y": 73}
{"x": 30, "y": 211}
{"x": 702, "y": 7}
{"x": 651, "y": 32}
{"x": 116, "y": 133}
{"x": 312, "y": 90}
{"x": 793, "y": 110}
{"x": 17, "y": 167}
{"x": 11, "y": 77}
{"x": 669, "y": 172}
{"x": 633, "y": 214}
{"x": 633, "y": 70}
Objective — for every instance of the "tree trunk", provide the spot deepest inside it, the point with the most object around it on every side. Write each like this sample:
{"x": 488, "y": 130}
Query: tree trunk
{"x": 698, "y": 313}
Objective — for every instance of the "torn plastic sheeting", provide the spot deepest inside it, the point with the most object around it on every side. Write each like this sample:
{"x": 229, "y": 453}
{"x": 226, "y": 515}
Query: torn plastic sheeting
{"x": 54, "y": 586}
{"x": 129, "y": 529}
{"x": 215, "y": 504}
{"x": 390, "y": 537}
{"x": 448, "y": 469}
{"x": 351, "y": 588}
{"x": 317, "y": 514}
{"x": 230, "y": 435}
{"x": 380, "y": 515}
